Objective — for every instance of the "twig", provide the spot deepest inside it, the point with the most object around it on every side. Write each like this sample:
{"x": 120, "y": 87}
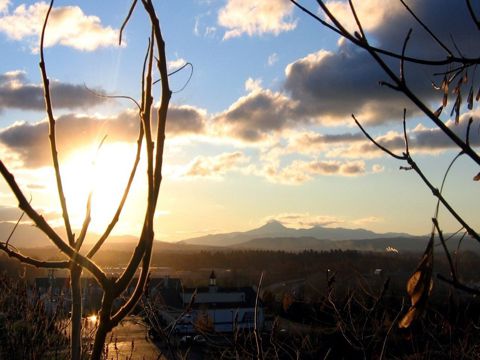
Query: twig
{"x": 375, "y": 53}
{"x": 130, "y": 12}
{"x": 113, "y": 96}
{"x": 384, "y": 346}
{"x": 381, "y": 147}
{"x": 258, "y": 340}
{"x": 117, "y": 214}
{"x": 458, "y": 285}
{"x": 40, "y": 222}
{"x": 427, "y": 29}
{"x": 31, "y": 261}
{"x": 467, "y": 136}
{"x": 402, "y": 60}
{"x": 472, "y": 14}
{"x": 176, "y": 71}
{"x": 444, "y": 202}
{"x": 405, "y": 135}
{"x": 447, "y": 253}
{"x": 359, "y": 24}
{"x": 16, "y": 225}
{"x": 51, "y": 122}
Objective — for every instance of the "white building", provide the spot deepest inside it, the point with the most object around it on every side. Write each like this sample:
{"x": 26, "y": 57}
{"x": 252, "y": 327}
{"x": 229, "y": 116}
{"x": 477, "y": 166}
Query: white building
{"x": 211, "y": 308}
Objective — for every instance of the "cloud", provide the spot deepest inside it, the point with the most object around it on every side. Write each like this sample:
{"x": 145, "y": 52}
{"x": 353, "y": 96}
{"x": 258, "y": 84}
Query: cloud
{"x": 272, "y": 59}
{"x": 331, "y": 85}
{"x": 314, "y": 142}
{"x": 304, "y": 220}
{"x": 9, "y": 213}
{"x": 301, "y": 171}
{"x": 389, "y": 22}
{"x": 326, "y": 87}
{"x": 257, "y": 116}
{"x": 30, "y": 141}
{"x": 307, "y": 220}
{"x": 421, "y": 139}
{"x": 201, "y": 28}
{"x": 12, "y": 214}
{"x": 374, "y": 13}
{"x": 366, "y": 221}
{"x": 216, "y": 167}
{"x": 377, "y": 168}
{"x": 184, "y": 119}
{"x": 176, "y": 64}
{"x": 68, "y": 26}
{"x": 16, "y": 92}
{"x": 253, "y": 85}
{"x": 256, "y": 17}
{"x": 4, "y": 6}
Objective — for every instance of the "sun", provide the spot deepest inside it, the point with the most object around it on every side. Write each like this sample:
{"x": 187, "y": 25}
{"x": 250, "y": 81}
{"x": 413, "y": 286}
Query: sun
{"x": 106, "y": 172}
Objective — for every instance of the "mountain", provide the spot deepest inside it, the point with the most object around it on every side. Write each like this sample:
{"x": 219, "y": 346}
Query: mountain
{"x": 271, "y": 236}
{"x": 25, "y": 236}
{"x": 401, "y": 244}
{"x": 275, "y": 229}
{"x": 271, "y": 229}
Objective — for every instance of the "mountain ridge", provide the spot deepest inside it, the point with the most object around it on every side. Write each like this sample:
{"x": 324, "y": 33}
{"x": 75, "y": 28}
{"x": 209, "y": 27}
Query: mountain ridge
{"x": 274, "y": 228}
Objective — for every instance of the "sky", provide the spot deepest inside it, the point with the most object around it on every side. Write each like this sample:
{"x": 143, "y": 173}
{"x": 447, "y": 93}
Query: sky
{"x": 259, "y": 127}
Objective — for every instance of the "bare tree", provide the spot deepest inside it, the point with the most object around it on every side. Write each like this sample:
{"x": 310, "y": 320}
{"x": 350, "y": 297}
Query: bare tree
{"x": 70, "y": 246}
{"x": 454, "y": 68}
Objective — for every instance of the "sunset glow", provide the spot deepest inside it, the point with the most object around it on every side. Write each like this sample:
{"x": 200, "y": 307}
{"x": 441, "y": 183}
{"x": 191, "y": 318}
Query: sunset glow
{"x": 105, "y": 173}
{"x": 259, "y": 130}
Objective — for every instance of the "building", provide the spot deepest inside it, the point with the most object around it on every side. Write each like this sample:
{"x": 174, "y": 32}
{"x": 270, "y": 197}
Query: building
{"x": 55, "y": 291}
{"x": 211, "y": 308}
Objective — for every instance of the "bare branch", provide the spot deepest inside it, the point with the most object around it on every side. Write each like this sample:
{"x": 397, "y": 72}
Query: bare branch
{"x": 86, "y": 223}
{"x": 375, "y": 53}
{"x": 258, "y": 340}
{"x": 447, "y": 252}
{"x": 444, "y": 202}
{"x": 113, "y": 96}
{"x": 165, "y": 99}
{"x": 458, "y": 285}
{"x": 51, "y": 122}
{"x": 176, "y": 71}
{"x": 472, "y": 14}
{"x": 314, "y": 16}
{"x": 405, "y": 135}
{"x": 391, "y": 86}
{"x": 147, "y": 231}
{"x": 467, "y": 136}
{"x": 381, "y": 147}
{"x": 440, "y": 62}
{"x": 402, "y": 60}
{"x": 139, "y": 289}
{"x": 8, "y": 249}
{"x": 427, "y": 29}
{"x": 359, "y": 24}
{"x": 116, "y": 217}
{"x": 382, "y": 353}
{"x": 16, "y": 225}
{"x": 47, "y": 229}
{"x": 130, "y": 12}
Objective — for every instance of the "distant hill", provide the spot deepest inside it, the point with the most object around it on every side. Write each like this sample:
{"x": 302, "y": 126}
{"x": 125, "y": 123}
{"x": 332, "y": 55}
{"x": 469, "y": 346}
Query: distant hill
{"x": 271, "y": 236}
{"x": 275, "y": 229}
{"x": 401, "y": 244}
{"x": 275, "y": 236}
{"x": 25, "y": 236}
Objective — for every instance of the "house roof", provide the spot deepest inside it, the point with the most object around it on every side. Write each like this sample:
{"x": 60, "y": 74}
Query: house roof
{"x": 248, "y": 298}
